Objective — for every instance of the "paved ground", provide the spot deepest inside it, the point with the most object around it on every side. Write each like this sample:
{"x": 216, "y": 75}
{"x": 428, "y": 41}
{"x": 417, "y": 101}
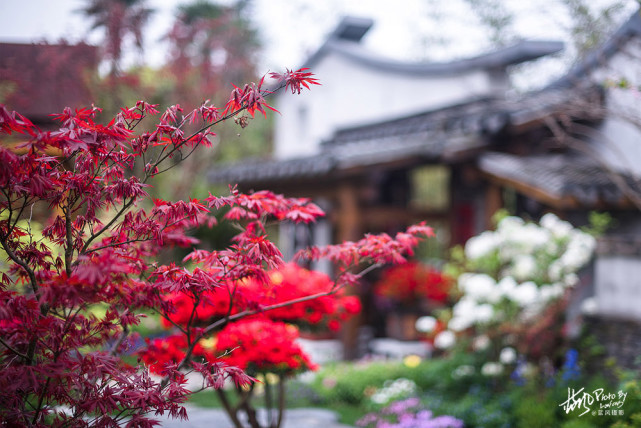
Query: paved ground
{"x": 294, "y": 418}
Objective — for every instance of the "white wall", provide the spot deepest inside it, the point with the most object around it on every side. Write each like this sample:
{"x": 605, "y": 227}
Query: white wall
{"x": 618, "y": 140}
{"x": 618, "y": 286}
{"x": 353, "y": 95}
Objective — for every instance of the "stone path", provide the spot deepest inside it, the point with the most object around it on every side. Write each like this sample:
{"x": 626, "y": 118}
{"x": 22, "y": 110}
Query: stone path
{"x": 216, "y": 418}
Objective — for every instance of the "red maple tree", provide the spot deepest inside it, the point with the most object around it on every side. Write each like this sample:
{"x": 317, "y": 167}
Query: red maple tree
{"x": 70, "y": 296}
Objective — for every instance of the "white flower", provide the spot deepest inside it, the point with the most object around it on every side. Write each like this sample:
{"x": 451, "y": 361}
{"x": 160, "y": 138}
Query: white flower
{"x": 571, "y": 279}
{"x": 425, "y": 324}
{"x": 510, "y": 224}
{"x": 484, "y": 313}
{"x": 533, "y": 236}
{"x": 507, "y": 285}
{"x": 480, "y": 245}
{"x": 590, "y": 306}
{"x": 445, "y": 340}
{"x": 551, "y": 292}
{"x": 460, "y": 323}
{"x": 518, "y": 238}
{"x": 393, "y": 389}
{"x": 578, "y": 252}
{"x": 480, "y": 343}
{"x": 379, "y": 398}
{"x": 480, "y": 287}
{"x": 525, "y": 294}
{"x": 507, "y": 355}
{"x": 464, "y": 307}
{"x": 463, "y": 371}
{"x": 492, "y": 369}
{"x": 523, "y": 267}
{"x": 558, "y": 227}
{"x": 555, "y": 270}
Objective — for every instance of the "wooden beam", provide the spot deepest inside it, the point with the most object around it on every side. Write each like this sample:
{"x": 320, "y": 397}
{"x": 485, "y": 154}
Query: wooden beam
{"x": 554, "y": 201}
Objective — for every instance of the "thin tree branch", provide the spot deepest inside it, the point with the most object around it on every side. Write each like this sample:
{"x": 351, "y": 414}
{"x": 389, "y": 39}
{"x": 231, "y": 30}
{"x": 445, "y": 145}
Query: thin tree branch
{"x": 13, "y": 350}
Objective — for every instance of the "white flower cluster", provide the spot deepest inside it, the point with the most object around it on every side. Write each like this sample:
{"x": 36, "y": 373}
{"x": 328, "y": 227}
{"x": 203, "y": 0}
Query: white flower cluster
{"x": 536, "y": 264}
{"x": 394, "y": 390}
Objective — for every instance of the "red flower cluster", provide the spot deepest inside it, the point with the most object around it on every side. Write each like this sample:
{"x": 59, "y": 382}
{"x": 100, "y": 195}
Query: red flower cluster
{"x": 413, "y": 281}
{"x": 254, "y": 345}
{"x": 161, "y": 353}
{"x": 262, "y": 346}
{"x": 212, "y": 304}
{"x": 287, "y": 283}
{"x": 291, "y": 282}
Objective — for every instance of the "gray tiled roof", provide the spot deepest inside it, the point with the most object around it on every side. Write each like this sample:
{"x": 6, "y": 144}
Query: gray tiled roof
{"x": 429, "y": 136}
{"x": 559, "y": 175}
{"x": 253, "y": 171}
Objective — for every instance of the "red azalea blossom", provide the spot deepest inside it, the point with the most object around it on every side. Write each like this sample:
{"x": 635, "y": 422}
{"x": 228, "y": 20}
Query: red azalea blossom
{"x": 284, "y": 284}
{"x": 291, "y": 282}
{"x": 413, "y": 281}
{"x": 262, "y": 346}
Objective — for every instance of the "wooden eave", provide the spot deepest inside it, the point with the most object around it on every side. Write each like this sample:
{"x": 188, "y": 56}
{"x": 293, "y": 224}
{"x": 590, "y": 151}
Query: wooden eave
{"x": 553, "y": 200}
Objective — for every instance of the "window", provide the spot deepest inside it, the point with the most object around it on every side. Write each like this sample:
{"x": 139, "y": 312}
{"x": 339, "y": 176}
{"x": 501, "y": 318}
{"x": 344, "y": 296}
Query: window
{"x": 431, "y": 188}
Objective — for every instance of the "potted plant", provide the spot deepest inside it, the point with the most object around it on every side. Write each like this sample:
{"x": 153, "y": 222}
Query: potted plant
{"x": 409, "y": 291}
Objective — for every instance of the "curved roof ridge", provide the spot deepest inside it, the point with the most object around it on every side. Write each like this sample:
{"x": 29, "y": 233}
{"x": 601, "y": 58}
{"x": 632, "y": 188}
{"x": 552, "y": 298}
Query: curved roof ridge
{"x": 522, "y": 51}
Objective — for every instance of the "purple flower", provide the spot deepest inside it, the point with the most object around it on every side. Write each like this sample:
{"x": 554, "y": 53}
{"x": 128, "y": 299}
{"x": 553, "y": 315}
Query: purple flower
{"x": 407, "y": 414}
{"x": 424, "y": 415}
{"x": 445, "y": 421}
{"x": 399, "y": 407}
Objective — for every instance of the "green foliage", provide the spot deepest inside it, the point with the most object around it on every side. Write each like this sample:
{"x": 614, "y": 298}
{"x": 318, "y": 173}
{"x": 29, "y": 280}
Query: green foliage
{"x": 478, "y": 400}
{"x": 477, "y": 408}
{"x": 577, "y": 423}
{"x": 353, "y": 383}
{"x": 536, "y": 405}
{"x": 499, "y": 215}
{"x": 6, "y": 89}
{"x": 631, "y": 385}
{"x": 301, "y": 394}
{"x": 599, "y": 223}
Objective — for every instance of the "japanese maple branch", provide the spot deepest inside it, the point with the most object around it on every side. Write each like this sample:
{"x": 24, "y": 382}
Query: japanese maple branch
{"x": 149, "y": 173}
{"x": 14, "y": 351}
{"x": 69, "y": 240}
{"x": 107, "y": 226}
{"x": 21, "y": 263}
{"x": 265, "y": 93}
{"x": 121, "y": 338}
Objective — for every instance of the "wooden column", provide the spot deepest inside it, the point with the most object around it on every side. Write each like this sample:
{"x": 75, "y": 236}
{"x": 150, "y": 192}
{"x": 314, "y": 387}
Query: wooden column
{"x": 349, "y": 217}
{"x": 349, "y": 228}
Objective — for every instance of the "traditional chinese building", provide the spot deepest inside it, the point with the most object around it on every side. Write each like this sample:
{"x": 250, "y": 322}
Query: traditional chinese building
{"x": 383, "y": 144}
